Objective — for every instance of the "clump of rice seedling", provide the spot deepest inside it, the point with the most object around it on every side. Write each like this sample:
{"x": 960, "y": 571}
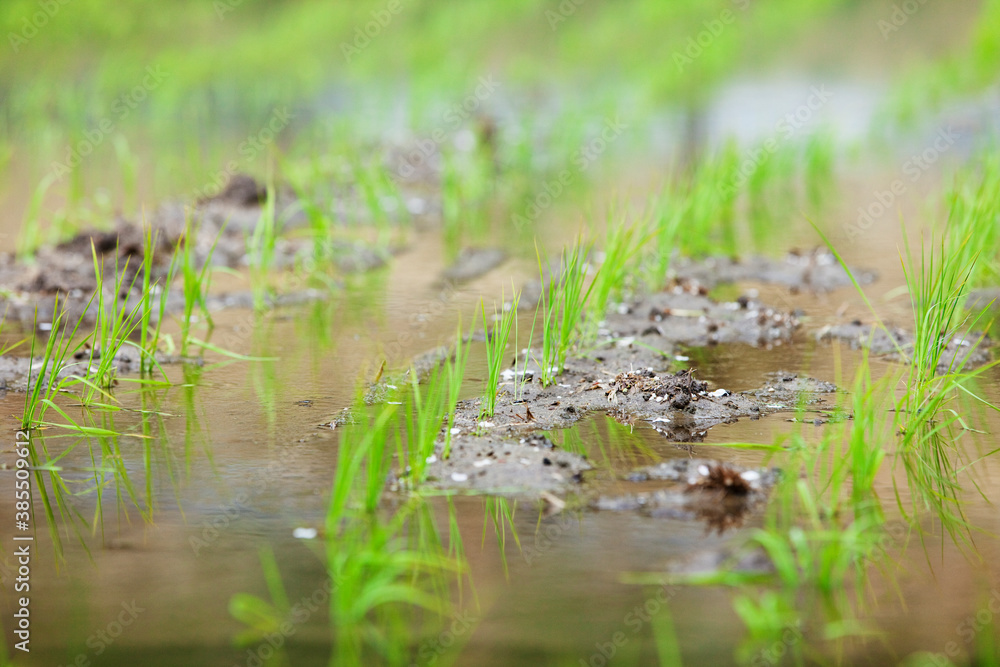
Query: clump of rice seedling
{"x": 129, "y": 166}
{"x": 496, "y": 347}
{"x": 937, "y": 295}
{"x": 196, "y": 282}
{"x": 972, "y": 228}
{"x": 261, "y": 248}
{"x": 426, "y": 410}
{"x": 663, "y": 224}
{"x": 455, "y": 372}
{"x": 31, "y": 229}
{"x": 622, "y": 244}
{"x": 112, "y": 328}
{"x": 563, "y": 304}
{"x": 149, "y": 336}
{"x": 820, "y": 162}
{"x": 43, "y": 377}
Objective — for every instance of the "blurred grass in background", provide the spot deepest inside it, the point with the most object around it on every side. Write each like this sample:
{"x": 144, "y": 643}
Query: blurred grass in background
{"x": 357, "y": 71}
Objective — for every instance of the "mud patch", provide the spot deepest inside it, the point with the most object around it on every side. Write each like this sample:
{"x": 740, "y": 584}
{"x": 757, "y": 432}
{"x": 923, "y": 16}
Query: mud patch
{"x": 817, "y": 270}
{"x": 220, "y": 228}
{"x": 969, "y": 351}
{"x": 679, "y": 406}
{"x": 685, "y": 315}
{"x": 472, "y": 263}
{"x": 498, "y": 464}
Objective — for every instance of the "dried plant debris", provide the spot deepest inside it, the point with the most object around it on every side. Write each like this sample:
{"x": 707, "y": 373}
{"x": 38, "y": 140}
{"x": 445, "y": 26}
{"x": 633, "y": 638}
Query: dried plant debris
{"x": 677, "y": 390}
{"x": 725, "y": 479}
{"x": 968, "y": 351}
{"x": 696, "y": 473}
{"x": 719, "y": 494}
{"x": 814, "y": 270}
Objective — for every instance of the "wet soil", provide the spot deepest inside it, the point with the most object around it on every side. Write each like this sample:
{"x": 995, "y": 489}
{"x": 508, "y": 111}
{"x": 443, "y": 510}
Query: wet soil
{"x": 679, "y": 406}
{"x": 815, "y": 270}
{"x": 960, "y": 352}
{"x": 219, "y": 230}
{"x": 472, "y": 263}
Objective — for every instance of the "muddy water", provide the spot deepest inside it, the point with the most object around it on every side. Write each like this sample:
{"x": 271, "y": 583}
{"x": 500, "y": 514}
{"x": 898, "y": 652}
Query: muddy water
{"x": 240, "y": 460}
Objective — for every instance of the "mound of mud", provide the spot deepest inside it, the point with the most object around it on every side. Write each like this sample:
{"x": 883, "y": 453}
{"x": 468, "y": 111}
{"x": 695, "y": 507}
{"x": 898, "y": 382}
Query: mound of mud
{"x": 960, "y": 352}
{"x": 685, "y": 315}
{"x": 220, "y": 227}
{"x": 817, "y": 271}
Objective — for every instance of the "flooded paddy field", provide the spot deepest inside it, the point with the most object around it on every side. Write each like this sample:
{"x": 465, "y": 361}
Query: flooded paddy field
{"x": 687, "y": 368}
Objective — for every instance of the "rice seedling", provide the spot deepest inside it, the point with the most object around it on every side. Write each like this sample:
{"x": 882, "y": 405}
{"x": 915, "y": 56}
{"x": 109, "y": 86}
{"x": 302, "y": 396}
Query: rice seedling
{"x": 261, "y": 249}
{"x": 668, "y": 647}
{"x": 622, "y": 244}
{"x": 426, "y": 410}
{"x": 499, "y": 513}
{"x": 497, "y": 341}
{"x": 664, "y": 222}
{"x": 31, "y": 229}
{"x": 563, "y": 305}
{"x": 262, "y": 618}
{"x": 149, "y": 334}
{"x": 374, "y": 576}
{"x": 376, "y": 580}
{"x": 937, "y": 294}
{"x": 44, "y": 379}
{"x": 114, "y": 323}
{"x": 820, "y": 165}
{"x": 455, "y": 373}
{"x": 362, "y": 461}
{"x": 196, "y": 281}
{"x": 128, "y": 164}
{"x": 970, "y": 231}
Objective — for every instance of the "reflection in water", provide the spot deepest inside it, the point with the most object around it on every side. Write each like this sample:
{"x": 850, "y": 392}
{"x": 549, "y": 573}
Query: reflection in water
{"x": 394, "y": 584}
